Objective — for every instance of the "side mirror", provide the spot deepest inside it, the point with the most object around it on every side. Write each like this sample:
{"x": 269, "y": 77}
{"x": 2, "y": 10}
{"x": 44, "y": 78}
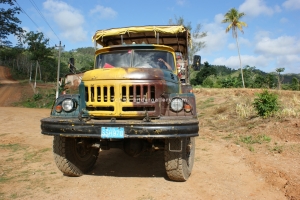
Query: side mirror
{"x": 196, "y": 62}
{"x": 72, "y": 65}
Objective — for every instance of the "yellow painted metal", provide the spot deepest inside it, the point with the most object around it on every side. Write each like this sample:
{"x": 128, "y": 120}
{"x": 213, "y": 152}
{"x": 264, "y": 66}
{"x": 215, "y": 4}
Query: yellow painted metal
{"x": 117, "y": 103}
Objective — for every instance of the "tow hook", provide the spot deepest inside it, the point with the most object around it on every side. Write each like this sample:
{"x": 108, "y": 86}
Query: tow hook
{"x": 84, "y": 117}
{"x": 147, "y": 118}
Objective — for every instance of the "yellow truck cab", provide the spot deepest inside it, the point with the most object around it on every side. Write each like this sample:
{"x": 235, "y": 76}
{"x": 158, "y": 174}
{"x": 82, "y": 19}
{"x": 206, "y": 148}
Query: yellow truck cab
{"x": 134, "y": 99}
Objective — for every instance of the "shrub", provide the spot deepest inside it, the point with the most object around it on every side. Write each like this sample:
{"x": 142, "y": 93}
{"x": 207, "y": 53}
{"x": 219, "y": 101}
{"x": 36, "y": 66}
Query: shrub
{"x": 266, "y": 104}
{"x": 37, "y": 97}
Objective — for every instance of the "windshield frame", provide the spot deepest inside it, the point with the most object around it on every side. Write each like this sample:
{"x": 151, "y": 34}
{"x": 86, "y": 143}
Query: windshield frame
{"x": 136, "y": 58}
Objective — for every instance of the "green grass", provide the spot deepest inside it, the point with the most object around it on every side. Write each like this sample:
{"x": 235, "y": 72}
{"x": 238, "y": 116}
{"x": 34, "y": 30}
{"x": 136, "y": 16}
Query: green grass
{"x": 43, "y": 98}
{"x": 277, "y": 148}
{"x": 12, "y": 147}
{"x": 251, "y": 148}
{"x": 4, "y": 179}
{"x": 14, "y": 195}
{"x": 206, "y": 104}
{"x": 257, "y": 139}
{"x": 9, "y": 160}
{"x": 227, "y": 137}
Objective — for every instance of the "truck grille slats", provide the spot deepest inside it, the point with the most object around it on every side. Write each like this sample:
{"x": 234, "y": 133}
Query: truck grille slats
{"x": 127, "y": 97}
{"x": 138, "y": 93}
{"x": 100, "y": 94}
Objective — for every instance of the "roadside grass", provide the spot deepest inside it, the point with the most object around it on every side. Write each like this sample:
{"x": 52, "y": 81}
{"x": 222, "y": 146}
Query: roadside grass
{"x": 259, "y": 139}
{"x": 206, "y": 103}
{"x": 248, "y": 141}
{"x": 228, "y": 137}
{"x": 244, "y": 110}
{"x": 12, "y": 147}
{"x": 43, "y": 97}
{"x": 14, "y": 173}
{"x": 236, "y": 121}
{"x": 16, "y": 166}
{"x": 277, "y": 148}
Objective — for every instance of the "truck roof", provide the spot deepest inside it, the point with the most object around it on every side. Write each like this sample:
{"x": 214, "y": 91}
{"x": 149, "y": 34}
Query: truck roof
{"x": 175, "y": 36}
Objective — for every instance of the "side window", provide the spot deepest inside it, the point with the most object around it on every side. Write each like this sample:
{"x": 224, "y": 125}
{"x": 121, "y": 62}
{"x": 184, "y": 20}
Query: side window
{"x": 98, "y": 62}
{"x": 166, "y": 61}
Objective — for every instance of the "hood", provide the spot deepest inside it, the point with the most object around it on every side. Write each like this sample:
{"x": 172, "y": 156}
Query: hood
{"x": 129, "y": 74}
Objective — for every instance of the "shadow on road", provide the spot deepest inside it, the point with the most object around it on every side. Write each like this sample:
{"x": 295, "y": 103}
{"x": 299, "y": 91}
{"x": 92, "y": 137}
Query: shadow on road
{"x": 116, "y": 163}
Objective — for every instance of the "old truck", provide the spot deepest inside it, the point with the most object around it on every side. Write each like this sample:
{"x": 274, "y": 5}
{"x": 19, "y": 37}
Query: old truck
{"x": 133, "y": 99}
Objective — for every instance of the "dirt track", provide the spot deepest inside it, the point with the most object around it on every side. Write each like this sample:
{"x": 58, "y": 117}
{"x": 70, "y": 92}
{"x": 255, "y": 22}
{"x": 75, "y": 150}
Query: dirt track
{"x": 222, "y": 169}
{"x": 9, "y": 89}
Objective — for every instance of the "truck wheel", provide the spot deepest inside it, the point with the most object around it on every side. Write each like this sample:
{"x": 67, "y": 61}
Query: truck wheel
{"x": 74, "y": 156}
{"x": 179, "y": 158}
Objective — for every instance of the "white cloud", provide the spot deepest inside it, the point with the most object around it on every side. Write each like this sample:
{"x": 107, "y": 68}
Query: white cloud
{"x": 261, "y": 34}
{"x": 216, "y": 37}
{"x": 257, "y": 7}
{"x": 181, "y": 2}
{"x": 219, "y": 18}
{"x": 232, "y": 46}
{"x": 25, "y": 28}
{"x": 69, "y": 20}
{"x": 283, "y": 45}
{"x": 292, "y": 4}
{"x": 103, "y": 12}
{"x": 283, "y": 52}
{"x": 234, "y": 62}
{"x": 242, "y": 42}
{"x": 284, "y": 20}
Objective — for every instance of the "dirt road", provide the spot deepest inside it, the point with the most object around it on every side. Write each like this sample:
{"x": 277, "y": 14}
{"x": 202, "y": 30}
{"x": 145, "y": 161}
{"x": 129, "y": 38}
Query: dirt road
{"x": 222, "y": 169}
{"x": 9, "y": 90}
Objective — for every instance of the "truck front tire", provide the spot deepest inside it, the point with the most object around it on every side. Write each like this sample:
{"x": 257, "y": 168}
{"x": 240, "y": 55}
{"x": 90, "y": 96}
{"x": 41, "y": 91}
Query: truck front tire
{"x": 179, "y": 158}
{"x": 74, "y": 156}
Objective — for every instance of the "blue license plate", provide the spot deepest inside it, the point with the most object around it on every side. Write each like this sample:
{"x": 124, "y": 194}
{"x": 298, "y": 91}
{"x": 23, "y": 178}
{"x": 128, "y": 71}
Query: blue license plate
{"x": 112, "y": 132}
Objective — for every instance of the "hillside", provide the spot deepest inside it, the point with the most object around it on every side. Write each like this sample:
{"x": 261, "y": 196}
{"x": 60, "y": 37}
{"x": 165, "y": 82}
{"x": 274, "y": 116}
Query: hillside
{"x": 84, "y": 58}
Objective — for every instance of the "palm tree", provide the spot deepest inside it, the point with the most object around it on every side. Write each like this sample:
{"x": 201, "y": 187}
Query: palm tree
{"x": 279, "y": 70}
{"x": 232, "y": 17}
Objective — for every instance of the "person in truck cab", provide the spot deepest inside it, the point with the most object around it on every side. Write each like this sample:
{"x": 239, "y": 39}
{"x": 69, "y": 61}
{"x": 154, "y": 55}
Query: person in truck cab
{"x": 165, "y": 64}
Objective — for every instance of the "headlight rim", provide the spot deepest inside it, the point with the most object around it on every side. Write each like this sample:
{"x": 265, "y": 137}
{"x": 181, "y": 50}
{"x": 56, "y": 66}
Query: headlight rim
{"x": 174, "y": 99}
{"x": 72, "y": 107}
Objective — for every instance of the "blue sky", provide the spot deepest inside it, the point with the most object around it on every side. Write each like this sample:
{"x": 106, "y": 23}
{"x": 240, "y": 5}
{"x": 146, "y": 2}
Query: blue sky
{"x": 271, "y": 40}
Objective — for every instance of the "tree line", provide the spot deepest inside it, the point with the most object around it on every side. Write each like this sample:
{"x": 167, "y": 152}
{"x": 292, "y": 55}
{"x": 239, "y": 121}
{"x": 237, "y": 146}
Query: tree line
{"x": 32, "y": 57}
{"x": 212, "y": 76}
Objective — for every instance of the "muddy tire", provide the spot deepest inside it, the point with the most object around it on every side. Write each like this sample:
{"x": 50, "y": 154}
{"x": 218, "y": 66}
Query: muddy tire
{"x": 74, "y": 156}
{"x": 179, "y": 160}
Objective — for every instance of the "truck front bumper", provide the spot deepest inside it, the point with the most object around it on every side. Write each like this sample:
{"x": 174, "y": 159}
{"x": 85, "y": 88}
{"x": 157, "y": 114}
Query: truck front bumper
{"x": 159, "y": 128}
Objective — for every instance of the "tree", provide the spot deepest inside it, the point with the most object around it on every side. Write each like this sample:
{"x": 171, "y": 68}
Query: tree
{"x": 279, "y": 70}
{"x": 295, "y": 84}
{"x": 271, "y": 80}
{"x": 233, "y": 18}
{"x": 37, "y": 46}
{"x": 9, "y": 22}
{"x": 205, "y": 72}
{"x": 197, "y": 35}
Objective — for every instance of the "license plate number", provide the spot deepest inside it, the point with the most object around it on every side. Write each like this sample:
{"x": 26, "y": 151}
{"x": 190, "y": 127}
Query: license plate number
{"x": 112, "y": 132}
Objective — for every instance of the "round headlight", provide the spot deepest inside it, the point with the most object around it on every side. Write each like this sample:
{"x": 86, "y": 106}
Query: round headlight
{"x": 176, "y": 104}
{"x": 67, "y": 105}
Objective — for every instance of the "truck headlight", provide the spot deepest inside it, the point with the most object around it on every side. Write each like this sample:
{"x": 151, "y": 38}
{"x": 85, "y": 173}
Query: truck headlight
{"x": 176, "y": 104}
{"x": 67, "y": 105}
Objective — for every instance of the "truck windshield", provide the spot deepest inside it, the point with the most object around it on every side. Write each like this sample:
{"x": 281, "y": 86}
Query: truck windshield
{"x": 136, "y": 59}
